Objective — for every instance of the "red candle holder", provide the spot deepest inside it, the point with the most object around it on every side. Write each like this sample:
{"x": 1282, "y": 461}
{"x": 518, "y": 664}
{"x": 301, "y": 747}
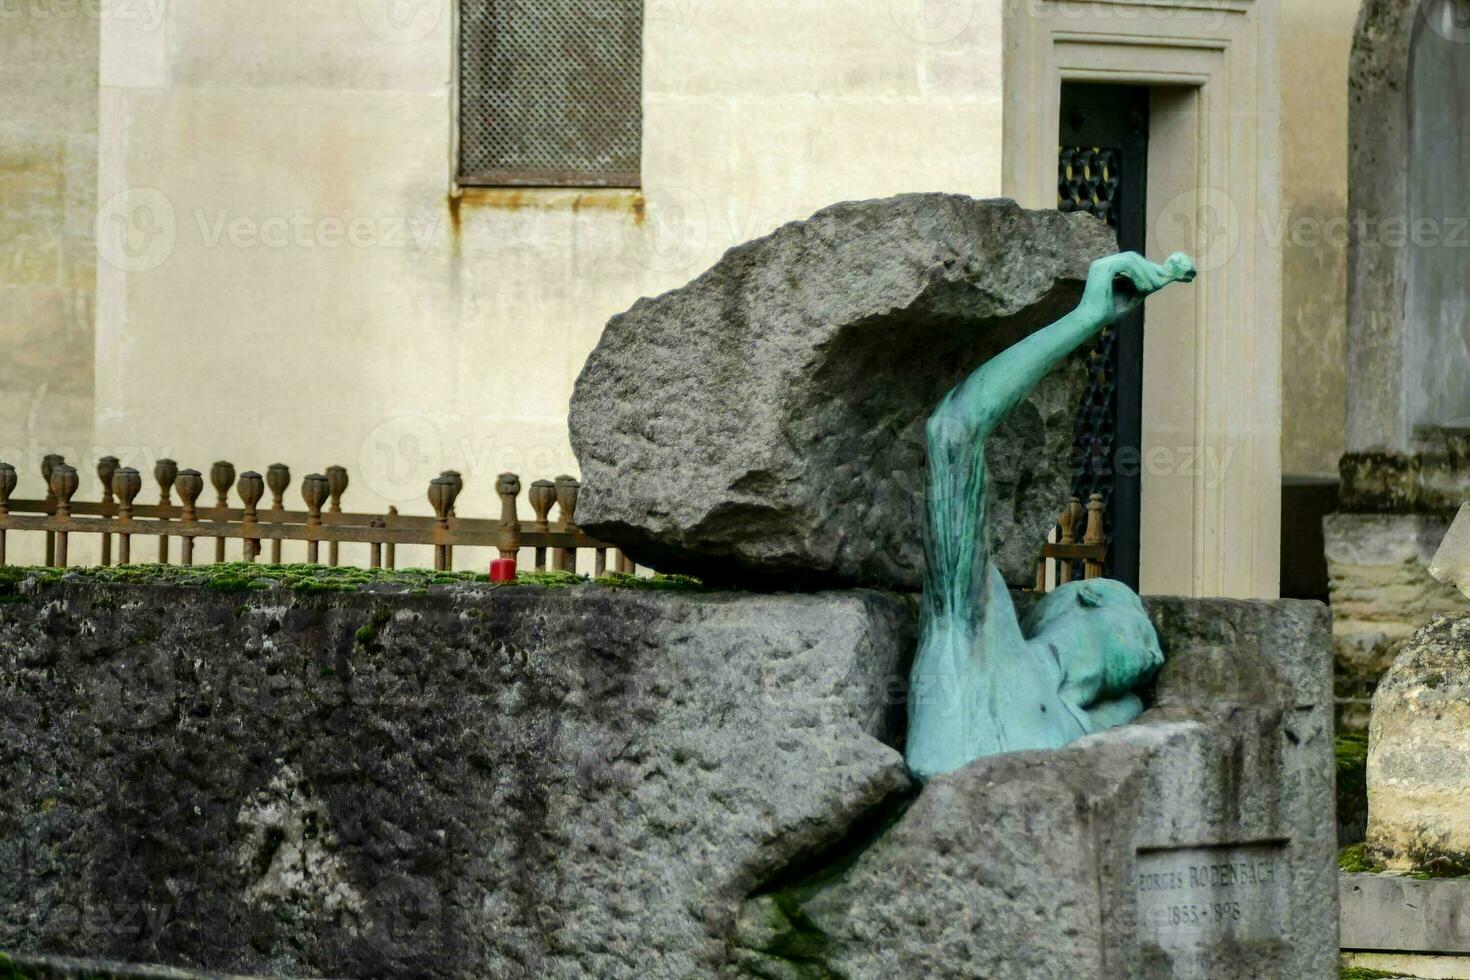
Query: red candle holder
{"x": 503, "y": 570}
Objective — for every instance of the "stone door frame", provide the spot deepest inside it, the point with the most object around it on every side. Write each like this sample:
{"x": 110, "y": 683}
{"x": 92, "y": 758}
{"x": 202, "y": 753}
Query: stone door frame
{"x": 1211, "y": 466}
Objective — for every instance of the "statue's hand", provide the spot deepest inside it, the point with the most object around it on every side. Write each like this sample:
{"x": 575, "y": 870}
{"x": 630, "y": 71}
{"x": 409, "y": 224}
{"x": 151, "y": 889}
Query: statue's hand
{"x": 1116, "y": 284}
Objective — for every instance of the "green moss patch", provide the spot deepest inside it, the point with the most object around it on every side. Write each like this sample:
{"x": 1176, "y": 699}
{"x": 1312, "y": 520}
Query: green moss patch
{"x": 1355, "y": 860}
{"x": 303, "y": 578}
{"x": 662, "y": 583}
{"x": 1352, "y": 786}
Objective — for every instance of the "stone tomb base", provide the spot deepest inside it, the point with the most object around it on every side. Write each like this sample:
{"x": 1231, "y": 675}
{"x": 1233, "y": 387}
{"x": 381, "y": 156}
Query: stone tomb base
{"x": 1198, "y": 842}
{"x": 591, "y": 782}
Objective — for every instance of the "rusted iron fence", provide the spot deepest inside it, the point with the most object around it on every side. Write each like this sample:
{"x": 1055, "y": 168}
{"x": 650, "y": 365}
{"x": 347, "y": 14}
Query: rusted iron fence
{"x": 119, "y": 516}
{"x": 1060, "y": 559}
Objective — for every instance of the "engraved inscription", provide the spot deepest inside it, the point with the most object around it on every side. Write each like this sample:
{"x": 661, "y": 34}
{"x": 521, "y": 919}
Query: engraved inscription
{"x": 1190, "y": 897}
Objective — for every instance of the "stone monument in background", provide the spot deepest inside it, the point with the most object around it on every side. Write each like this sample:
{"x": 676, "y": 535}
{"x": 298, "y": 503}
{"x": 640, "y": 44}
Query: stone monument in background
{"x": 1407, "y": 466}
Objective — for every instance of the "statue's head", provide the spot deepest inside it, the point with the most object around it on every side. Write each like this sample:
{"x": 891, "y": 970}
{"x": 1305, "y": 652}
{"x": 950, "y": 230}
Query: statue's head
{"x": 1107, "y": 619}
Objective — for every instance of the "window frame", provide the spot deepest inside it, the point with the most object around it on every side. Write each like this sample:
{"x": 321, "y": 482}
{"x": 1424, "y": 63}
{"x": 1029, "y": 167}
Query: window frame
{"x": 523, "y": 177}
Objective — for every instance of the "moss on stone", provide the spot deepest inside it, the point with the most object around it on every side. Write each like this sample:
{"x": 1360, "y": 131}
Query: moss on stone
{"x": 1352, "y": 786}
{"x": 1360, "y": 973}
{"x": 1360, "y": 859}
{"x": 1431, "y": 861}
{"x": 664, "y": 583}
{"x": 1354, "y": 859}
{"x": 796, "y": 940}
{"x": 315, "y": 579}
{"x": 368, "y": 632}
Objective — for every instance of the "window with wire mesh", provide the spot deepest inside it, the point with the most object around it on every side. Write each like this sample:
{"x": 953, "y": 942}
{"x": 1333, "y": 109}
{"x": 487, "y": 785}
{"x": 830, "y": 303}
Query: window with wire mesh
{"x": 551, "y": 92}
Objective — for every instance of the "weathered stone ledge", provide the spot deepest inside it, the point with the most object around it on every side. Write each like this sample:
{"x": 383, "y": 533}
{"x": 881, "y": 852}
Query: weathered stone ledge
{"x": 1401, "y": 914}
{"x": 74, "y": 968}
{"x": 1434, "y": 479}
{"x": 453, "y": 781}
{"x": 466, "y": 781}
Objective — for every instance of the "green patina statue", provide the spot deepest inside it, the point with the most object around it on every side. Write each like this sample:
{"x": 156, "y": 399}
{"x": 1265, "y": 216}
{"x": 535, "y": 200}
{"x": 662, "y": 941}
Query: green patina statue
{"x": 984, "y": 682}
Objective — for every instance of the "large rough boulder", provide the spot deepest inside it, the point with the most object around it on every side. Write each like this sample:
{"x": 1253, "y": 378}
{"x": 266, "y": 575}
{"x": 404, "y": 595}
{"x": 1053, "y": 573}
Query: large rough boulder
{"x": 765, "y": 422}
{"x": 1419, "y": 754}
{"x": 1195, "y": 844}
{"x": 470, "y": 783}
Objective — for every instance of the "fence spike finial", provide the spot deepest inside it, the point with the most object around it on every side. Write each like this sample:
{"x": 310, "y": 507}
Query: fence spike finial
{"x": 190, "y": 485}
{"x": 64, "y": 483}
{"x": 49, "y": 462}
{"x": 166, "y": 472}
{"x": 278, "y": 478}
{"x": 508, "y": 488}
{"x": 106, "y": 467}
{"x": 221, "y": 477}
{"x": 336, "y": 486}
{"x": 442, "y": 491}
{"x": 314, "y": 491}
{"x": 127, "y": 483}
{"x": 543, "y": 495}
{"x": 567, "y": 489}
{"x": 1095, "y": 534}
{"x": 251, "y": 488}
{"x": 7, "y": 486}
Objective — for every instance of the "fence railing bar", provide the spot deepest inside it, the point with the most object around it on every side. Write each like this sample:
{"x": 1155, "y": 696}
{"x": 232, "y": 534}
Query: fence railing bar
{"x": 1059, "y": 557}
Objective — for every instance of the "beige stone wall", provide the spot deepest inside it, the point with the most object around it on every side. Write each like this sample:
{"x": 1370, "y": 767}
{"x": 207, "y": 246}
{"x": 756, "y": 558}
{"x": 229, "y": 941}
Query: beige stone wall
{"x": 1316, "y": 38}
{"x": 311, "y": 291}
{"x": 48, "y": 177}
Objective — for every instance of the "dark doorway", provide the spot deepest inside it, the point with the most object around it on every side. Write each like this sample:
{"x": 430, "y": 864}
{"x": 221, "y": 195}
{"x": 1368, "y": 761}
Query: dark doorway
{"x": 1102, "y": 168}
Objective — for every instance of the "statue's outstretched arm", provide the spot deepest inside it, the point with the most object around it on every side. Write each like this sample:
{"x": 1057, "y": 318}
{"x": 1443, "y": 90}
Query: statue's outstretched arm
{"x": 1115, "y": 285}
